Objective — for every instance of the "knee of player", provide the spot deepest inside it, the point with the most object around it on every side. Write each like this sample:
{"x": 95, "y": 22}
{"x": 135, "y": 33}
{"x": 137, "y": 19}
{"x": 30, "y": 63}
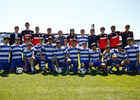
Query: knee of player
{"x": 103, "y": 65}
{"x": 82, "y": 65}
{"x": 69, "y": 61}
{"x": 90, "y": 64}
{"x": 117, "y": 65}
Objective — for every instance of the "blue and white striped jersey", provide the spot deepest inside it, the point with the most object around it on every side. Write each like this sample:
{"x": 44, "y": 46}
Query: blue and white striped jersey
{"x": 73, "y": 53}
{"x": 4, "y": 52}
{"x": 17, "y": 51}
{"x": 82, "y": 39}
{"x": 49, "y": 51}
{"x": 108, "y": 55}
{"x": 132, "y": 52}
{"x": 84, "y": 54}
{"x": 60, "y": 54}
{"x": 28, "y": 54}
{"x": 37, "y": 49}
{"x": 24, "y": 46}
{"x": 120, "y": 55}
{"x": 94, "y": 55}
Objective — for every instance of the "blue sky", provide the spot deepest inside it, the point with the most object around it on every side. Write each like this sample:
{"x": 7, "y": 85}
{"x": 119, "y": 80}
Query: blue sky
{"x": 67, "y": 14}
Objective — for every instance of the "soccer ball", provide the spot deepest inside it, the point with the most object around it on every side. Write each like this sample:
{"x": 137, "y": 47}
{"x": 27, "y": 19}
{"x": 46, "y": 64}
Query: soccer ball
{"x": 82, "y": 70}
{"x": 19, "y": 70}
{"x": 59, "y": 70}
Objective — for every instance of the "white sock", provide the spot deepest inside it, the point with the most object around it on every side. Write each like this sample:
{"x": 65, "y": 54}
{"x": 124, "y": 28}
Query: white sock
{"x": 32, "y": 68}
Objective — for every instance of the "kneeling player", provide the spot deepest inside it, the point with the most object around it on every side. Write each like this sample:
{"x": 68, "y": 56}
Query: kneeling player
{"x": 73, "y": 57}
{"x": 84, "y": 56}
{"x": 133, "y": 55}
{"x": 60, "y": 56}
{"x": 94, "y": 54}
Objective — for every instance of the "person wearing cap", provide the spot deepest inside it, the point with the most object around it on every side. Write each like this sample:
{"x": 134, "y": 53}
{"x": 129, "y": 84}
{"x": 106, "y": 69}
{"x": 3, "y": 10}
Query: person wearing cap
{"x": 15, "y": 35}
{"x": 84, "y": 56}
{"x": 48, "y": 48}
{"x": 127, "y": 34}
{"x": 5, "y": 50}
{"x": 27, "y": 32}
{"x": 133, "y": 55}
{"x": 28, "y": 58}
{"x": 60, "y": 56}
{"x": 35, "y": 36}
{"x": 109, "y": 58}
{"x": 72, "y": 36}
{"x": 122, "y": 58}
{"x": 17, "y": 51}
{"x": 72, "y": 57}
{"x": 94, "y": 54}
{"x": 37, "y": 59}
{"x": 46, "y": 36}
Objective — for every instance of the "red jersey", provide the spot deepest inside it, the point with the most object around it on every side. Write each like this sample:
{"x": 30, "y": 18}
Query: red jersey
{"x": 114, "y": 39}
{"x": 26, "y": 33}
{"x": 102, "y": 40}
{"x": 71, "y": 37}
{"x": 35, "y": 38}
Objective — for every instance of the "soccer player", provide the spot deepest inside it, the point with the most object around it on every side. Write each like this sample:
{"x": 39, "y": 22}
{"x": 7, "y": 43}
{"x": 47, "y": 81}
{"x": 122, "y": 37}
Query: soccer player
{"x": 5, "y": 50}
{"x": 61, "y": 37}
{"x": 60, "y": 56}
{"x": 46, "y": 36}
{"x": 28, "y": 57}
{"x": 133, "y": 55}
{"x": 94, "y": 54}
{"x": 122, "y": 58}
{"x": 82, "y": 38}
{"x": 73, "y": 57}
{"x": 24, "y": 45}
{"x": 114, "y": 37}
{"x": 127, "y": 34}
{"x": 71, "y": 36}
{"x": 16, "y": 50}
{"x": 37, "y": 59}
{"x": 27, "y": 32}
{"x": 35, "y": 37}
{"x": 84, "y": 56}
{"x": 65, "y": 44}
{"x": 102, "y": 38}
{"x": 109, "y": 58}
{"x": 92, "y": 38}
{"x": 48, "y": 48}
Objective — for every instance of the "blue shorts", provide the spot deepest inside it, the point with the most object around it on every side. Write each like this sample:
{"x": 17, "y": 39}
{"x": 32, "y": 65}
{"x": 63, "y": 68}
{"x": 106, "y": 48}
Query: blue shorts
{"x": 132, "y": 66}
{"x": 16, "y": 63}
{"x": 28, "y": 65}
{"x": 118, "y": 62}
{"x": 96, "y": 63}
{"x": 86, "y": 63}
{"x": 75, "y": 65}
{"x": 61, "y": 66}
{"x": 109, "y": 63}
{"x": 39, "y": 61}
{"x": 4, "y": 66}
{"x": 51, "y": 65}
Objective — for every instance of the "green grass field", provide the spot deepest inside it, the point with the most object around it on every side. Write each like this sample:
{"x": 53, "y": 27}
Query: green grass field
{"x": 69, "y": 87}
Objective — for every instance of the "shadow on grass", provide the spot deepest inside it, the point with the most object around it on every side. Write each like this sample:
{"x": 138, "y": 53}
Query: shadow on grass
{"x": 4, "y": 74}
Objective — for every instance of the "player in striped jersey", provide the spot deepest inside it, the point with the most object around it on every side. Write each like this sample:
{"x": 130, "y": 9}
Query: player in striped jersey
{"x": 37, "y": 59}
{"x": 82, "y": 38}
{"x": 28, "y": 57}
{"x": 24, "y": 45}
{"x": 65, "y": 44}
{"x": 122, "y": 58}
{"x": 72, "y": 57}
{"x": 109, "y": 59}
{"x": 60, "y": 55}
{"x": 48, "y": 48}
{"x": 5, "y": 50}
{"x": 16, "y": 50}
{"x": 133, "y": 55}
{"x": 94, "y": 58}
{"x": 84, "y": 56}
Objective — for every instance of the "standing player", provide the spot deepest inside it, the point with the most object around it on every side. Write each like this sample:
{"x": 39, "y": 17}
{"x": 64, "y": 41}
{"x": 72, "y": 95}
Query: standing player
{"x": 27, "y": 32}
{"x": 73, "y": 57}
{"x": 114, "y": 37}
{"x": 94, "y": 54}
{"x": 92, "y": 38}
{"x": 16, "y": 50}
{"x": 46, "y": 36}
{"x": 82, "y": 38}
{"x": 84, "y": 56}
{"x": 127, "y": 34}
{"x": 61, "y": 37}
{"x": 35, "y": 37}
{"x": 71, "y": 36}
{"x": 48, "y": 48}
{"x": 5, "y": 50}
{"x": 60, "y": 56}
{"x": 133, "y": 55}
{"x": 102, "y": 39}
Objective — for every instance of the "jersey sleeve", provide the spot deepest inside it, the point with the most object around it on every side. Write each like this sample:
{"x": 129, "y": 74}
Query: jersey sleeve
{"x": 105, "y": 58}
{"x": 137, "y": 49}
{"x": 125, "y": 55}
